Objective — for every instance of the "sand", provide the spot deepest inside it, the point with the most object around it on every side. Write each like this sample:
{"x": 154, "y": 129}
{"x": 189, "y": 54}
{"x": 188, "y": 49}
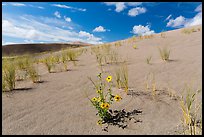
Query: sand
{"x": 59, "y": 104}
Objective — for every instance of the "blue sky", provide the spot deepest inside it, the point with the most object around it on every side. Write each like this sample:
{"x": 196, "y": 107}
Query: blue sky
{"x": 93, "y": 22}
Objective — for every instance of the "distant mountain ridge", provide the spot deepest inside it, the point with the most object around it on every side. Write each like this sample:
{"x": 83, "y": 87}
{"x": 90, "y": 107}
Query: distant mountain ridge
{"x": 19, "y": 49}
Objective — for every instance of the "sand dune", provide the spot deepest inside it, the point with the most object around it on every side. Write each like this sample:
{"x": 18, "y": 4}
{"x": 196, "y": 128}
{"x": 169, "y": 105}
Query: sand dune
{"x": 59, "y": 105}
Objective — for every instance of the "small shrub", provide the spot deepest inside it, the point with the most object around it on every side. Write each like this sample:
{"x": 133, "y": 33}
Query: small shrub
{"x": 9, "y": 74}
{"x": 33, "y": 74}
{"x": 121, "y": 76}
{"x": 191, "y": 123}
{"x": 49, "y": 63}
{"x": 164, "y": 53}
{"x": 148, "y": 59}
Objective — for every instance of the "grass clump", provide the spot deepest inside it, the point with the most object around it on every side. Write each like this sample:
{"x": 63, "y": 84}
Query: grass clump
{"x": 8, "y": 76}
{"x": 150, "y": 84}
{"x": 49, "y": 62}
{"x": 164, "y": 53}
{"x": 121, "y": 77}
{"x": 118, "y": 44}
{"x": 64, "y": 59}
{"x": 191, "y": 123}
{"x": 33, "y": 74}
{"x": 163, "y": 35}
{"x": 23, "y": 63}
{"x": 189, "y": 31}
{"x": 148, "y": 59}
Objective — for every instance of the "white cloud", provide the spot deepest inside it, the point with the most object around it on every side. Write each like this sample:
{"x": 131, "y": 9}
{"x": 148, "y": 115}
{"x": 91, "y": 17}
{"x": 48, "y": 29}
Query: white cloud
{"x": 40, "y": 7}
{"x": 187, "y": 22}
{"x": 89, "y": 36}
{"x": 68, "y": 7}
{"x": 120, "y": 6}
{"x": 18, "y": 4}
{"x": 136, "y": 11}
{"x": 142, "y": 30}
{"x": 67, "y": 19}
{"x": 99, "y": 29}
{"x": 178, "y": 22}
{"x": 61, "y": 6}
{"x": 199, "y": 8}
{"x": 134, "y": 3}
{"x": 34, "y": 30}
{"x": 168, "y": 17}
{"x": 57, "y": 14}
{"x": 197, "y": 20}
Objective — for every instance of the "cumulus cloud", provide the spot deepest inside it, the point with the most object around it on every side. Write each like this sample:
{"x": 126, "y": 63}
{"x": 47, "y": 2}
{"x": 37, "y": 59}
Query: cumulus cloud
{"x": 178, "y": 22}
{"x": 89, "y": 36}
{"x": 199, "y": 8}
{"x": 68, "y": 7}
{"x": 100, "y": 29}
{"x": 34, "y": 30}
{"x": 136, "y": 11}
{"x": 197, "y": 20}
{"x": 67, "y": 19}
{"x": 142, "y": 30}
{"x": 57, "y": 14}
{"x": 187, "y": 22}
{"x": 120, "y": 6}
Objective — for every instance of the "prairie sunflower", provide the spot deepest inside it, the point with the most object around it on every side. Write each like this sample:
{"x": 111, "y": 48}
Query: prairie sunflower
{"x": 99, "y": 91}
{"x": 103, "y": 105}
{"x": 117, "y": 98}
{"x": 107, "y": 106}
{"x": 109, "y": 78}
{"x": 94, "y": 99}
{"x": 99, "y": 123}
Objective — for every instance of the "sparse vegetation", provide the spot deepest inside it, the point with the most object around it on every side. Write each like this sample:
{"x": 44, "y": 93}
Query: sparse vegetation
{"x": 150, "y": 84}
{"x": 148, "y": 59}
{"x": 164, "y": 53}
{"x": 163, "y": 35}
{"x": 33, "y": 74}
{"x": 121, "y": 77}
{"x": 49, "y": 63}
{"x": 191, "y": 123}
{"x": 8, "y": 76}
{"x": 189, "y": 31}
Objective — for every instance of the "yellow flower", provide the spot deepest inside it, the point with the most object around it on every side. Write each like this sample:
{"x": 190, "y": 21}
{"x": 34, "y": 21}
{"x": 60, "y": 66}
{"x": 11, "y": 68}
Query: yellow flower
{"x": 99, "y": 123}
{"x": 134, "y": 46}
{"x": 107, "y": 106}
{"x": 94, "y": 99}
{"x": 103, "y": 105}
{"x": 117, "y": 98}
{"x": 99, "y": 91}
{"x": 109, "y": 78}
